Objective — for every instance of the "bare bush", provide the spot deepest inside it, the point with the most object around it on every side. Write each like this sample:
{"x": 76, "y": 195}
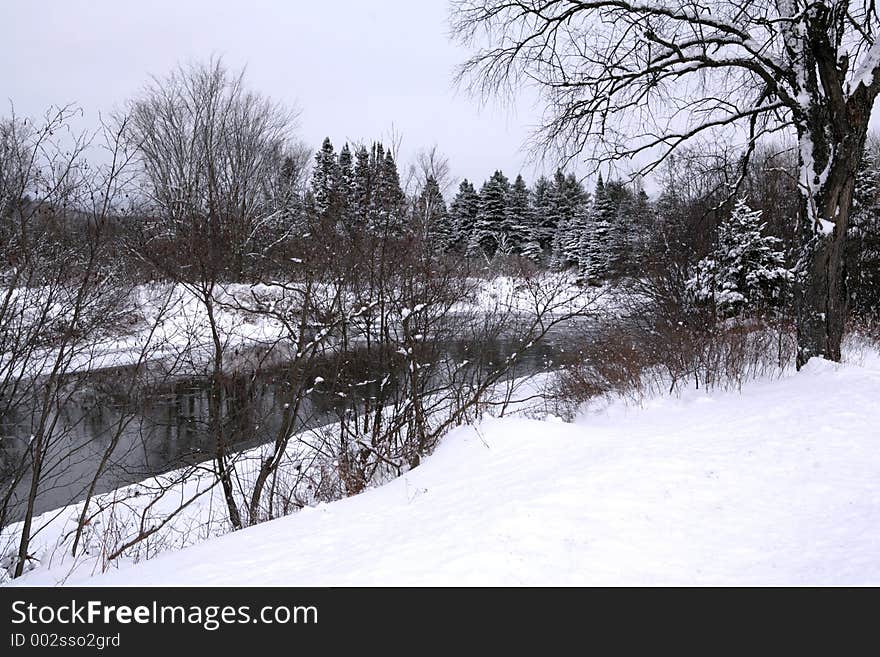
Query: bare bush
{"x": 659, "y": 343}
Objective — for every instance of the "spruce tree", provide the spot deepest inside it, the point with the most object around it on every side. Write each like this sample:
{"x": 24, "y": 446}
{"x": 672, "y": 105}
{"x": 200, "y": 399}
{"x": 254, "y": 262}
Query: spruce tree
{"x": 568, "y": 202}
{"x": 546, "y": 216}
{"x": 362, "y": 189}
{"x": 388, "y": 198}
{"x": 621, "y": 229}
{"x": 431, "y": 215}
{"x": 863, "y": 238}
{"x": 593, "y": 248}
{"x": 746, "y": 271}
{"x": 463, "y": 216}
{"x": 325, "y": 176}
{"x": 290, "y": 200}
{"x": 490, "y": 226}
{"x": 642, "y": 221}
{"x": 557, "y": 205}
{"x": 344, "y": 190}
{"x": 519, "y": 224}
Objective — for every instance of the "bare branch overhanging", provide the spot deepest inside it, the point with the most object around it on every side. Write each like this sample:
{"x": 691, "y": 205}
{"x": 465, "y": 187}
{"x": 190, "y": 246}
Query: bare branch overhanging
{"x": 633, "y": 81}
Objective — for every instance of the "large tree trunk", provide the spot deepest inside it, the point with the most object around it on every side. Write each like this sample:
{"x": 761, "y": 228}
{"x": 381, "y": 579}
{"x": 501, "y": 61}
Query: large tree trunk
{"x": 832, "y": 132}
{"x": 822, "y": 297}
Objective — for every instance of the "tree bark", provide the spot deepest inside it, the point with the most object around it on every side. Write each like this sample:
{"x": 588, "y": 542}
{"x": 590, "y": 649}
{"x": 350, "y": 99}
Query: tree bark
{"x": 822, "y": 299}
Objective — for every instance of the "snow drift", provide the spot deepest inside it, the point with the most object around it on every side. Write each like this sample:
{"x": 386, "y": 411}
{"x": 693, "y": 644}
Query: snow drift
{"x": 775, "y": 485}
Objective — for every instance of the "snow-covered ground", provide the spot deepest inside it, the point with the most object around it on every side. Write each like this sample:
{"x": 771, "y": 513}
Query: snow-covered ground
{"x": 170, "y": 322}
{"x": 778, "y": 484}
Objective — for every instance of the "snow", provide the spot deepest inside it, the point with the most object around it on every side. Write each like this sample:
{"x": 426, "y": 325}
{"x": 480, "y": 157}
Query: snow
{"x": 826, "y": 227}
{"x": 553, "y": 292}
{"x": 172, "y": 322}
{"x": 866, "y": 73}
{"x": 777, "y": 484}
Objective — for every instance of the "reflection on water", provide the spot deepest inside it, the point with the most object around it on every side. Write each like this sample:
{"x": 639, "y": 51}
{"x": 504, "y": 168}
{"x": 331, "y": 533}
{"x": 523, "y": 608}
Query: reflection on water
{"x": 161, "y": 426}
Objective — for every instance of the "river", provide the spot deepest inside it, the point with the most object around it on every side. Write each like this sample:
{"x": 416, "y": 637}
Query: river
{"x": 161, "y": 426}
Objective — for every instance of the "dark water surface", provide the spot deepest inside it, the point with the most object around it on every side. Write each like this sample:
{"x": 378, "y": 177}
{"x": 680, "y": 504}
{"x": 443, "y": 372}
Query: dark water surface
{"x": 161, "y": 426}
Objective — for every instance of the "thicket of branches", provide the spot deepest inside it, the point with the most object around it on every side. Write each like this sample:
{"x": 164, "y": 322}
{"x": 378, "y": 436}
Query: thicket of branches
{"x": 329, "y": 317}
{"x": 314, "y": 312}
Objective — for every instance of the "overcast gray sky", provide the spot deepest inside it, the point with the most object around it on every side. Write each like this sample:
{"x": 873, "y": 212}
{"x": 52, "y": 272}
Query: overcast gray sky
{"x": 354, "y": 68}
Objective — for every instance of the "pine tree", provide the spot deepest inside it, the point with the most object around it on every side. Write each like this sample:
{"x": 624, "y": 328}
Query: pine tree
{"x": 344, "y": 190}
{"x": 746, "y": 271}
{"x": 863, "y": 238}
{"x": 519, "y": 223}
{"x": 431, "y": 215}
{"x": 593, "y": 247}
{"x": 325, "y": 176}
{"x": 546, "y": 216}
{"x": 489, "y": 228}
{"x": 463, "y": 216}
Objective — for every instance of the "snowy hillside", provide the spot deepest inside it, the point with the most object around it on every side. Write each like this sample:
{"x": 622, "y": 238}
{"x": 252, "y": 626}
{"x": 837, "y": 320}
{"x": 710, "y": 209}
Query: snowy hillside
{"x": 777, "y": 485}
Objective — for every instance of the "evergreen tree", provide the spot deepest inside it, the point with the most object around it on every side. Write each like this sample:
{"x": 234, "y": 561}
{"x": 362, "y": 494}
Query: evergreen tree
{"x": 520, "y": 225}
{"x": 746, "y": 271}
{"x": 388, "y": 198}
{"x": 621, "y": 229}
{"x": 593, "y": 247}
{"x": 577, "y": 214}
{"x": 290, "y": 200}
{"x": 567, "y": 202}
{"x": 490, "y": 226}
{"x": 344, "y": 189}
{"x": 463, "y": 215}
{"x": 431, "y": 215}
{"x": 362, "y": 188}
{"x": 325, "y": 176}
{"x": 642, "y": 222}
{"x": 863, "y": 238}
{"x": 546, "y": 216}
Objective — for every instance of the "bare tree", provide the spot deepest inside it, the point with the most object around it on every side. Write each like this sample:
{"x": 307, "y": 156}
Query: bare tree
{"x": 634, "y": 81}
{"x": 209, "y": 151}
{"x": 432, "y": 163}
{"x": 62, "y": 292}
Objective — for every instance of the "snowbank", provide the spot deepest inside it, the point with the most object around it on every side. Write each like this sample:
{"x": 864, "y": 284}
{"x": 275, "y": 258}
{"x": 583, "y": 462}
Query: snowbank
{"x": 775, "y": 485}
{"x": 171, "y": 323}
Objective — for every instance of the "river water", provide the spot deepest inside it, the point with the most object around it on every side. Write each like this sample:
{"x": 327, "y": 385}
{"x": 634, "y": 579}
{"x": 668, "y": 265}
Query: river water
{"x": 160, "y": 427}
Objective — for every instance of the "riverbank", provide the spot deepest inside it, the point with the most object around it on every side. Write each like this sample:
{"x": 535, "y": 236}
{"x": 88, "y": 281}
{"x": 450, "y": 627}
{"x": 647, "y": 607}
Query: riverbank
{"x": 168, "y": 323}
{"x": 185, "y": 506}
{"x": 776, "y": 484}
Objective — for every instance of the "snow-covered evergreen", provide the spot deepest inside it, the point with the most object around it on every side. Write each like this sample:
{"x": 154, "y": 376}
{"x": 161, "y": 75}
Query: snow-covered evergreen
{"x": 344, "y": 189}
{"x": 463, "y": 215}
{"x": 520, "y": 222}
{"x": 567, "y": 203}
{"x": 362, "y": 187}
{"x": 593, "y": 247}
{"x": 490, "y": 228}
{"x": 432, "y": 217}
{"x": 546, "y": 219}
{"x": 746, "y": 271}
{"x": 863, "y": 238}
{"x": 325, "y": 176}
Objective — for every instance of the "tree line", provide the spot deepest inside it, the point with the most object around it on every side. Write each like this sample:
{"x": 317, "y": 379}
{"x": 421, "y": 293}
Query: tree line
{"x": 142, "y": 266}
{"x": 737, "y": 252}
